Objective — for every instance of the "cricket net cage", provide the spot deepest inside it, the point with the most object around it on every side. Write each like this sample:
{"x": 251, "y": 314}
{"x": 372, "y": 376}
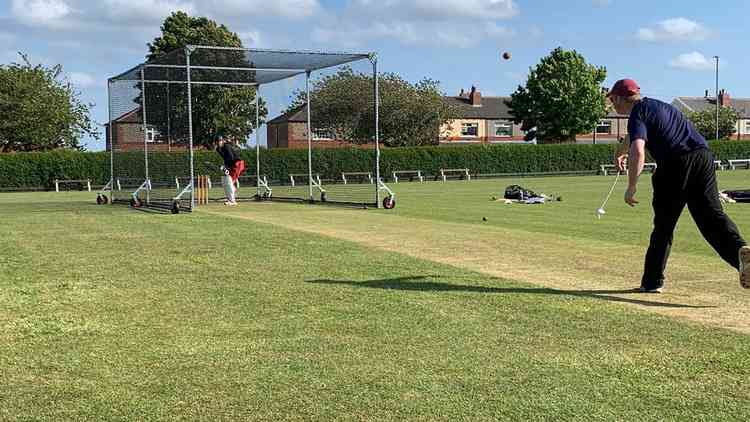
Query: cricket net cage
{"x": 165, "y": 113}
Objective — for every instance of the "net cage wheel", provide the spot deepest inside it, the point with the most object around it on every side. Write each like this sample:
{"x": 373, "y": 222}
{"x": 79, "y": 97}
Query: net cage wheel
{"x": 102, "y": 199}
{"x": 135, "y": 203}
{"x": 175, "y": 207}
{"x": 389, "y": 203}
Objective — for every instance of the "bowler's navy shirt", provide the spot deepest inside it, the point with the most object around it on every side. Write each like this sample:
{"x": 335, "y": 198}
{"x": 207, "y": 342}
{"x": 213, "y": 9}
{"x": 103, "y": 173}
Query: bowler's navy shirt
{"x": 667, "y": 132}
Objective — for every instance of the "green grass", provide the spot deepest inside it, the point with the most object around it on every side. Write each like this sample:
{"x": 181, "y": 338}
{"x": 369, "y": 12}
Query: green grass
{"x": 111, "y": 314}
{"x": 468, "y": 202}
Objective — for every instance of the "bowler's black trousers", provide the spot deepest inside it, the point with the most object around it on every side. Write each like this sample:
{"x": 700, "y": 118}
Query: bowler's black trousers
{"x": 688, "y": 179}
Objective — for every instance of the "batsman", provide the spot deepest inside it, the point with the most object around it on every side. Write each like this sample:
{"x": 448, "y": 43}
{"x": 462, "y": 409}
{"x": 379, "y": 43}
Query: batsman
{"x": 233, "y": 167}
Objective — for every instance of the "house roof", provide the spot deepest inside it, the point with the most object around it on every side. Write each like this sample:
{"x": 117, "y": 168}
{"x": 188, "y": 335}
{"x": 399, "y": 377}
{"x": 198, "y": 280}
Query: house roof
{"x": 494, "y": 108}
{"x": 133, "y": 116}
{"x": 491, "y": 108}
{"x": 692, "y": 104}
{"x": 297, "y": 115}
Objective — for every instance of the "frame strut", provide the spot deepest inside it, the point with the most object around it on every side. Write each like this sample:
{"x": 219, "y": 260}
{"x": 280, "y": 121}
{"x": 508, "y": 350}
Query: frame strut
{"x": 188, "y": 51}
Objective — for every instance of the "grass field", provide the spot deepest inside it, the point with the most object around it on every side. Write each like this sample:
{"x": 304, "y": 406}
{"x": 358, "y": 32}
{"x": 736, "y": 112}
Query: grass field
{"x": 273, "y": 311}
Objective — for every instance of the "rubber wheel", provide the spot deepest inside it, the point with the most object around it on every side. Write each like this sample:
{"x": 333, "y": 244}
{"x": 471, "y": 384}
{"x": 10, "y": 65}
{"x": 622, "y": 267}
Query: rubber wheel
{"x": 105, "y": 199}
{"x": 175, "y": 207}
{"x": 389, "y": 203}
{"x": 99, "y": 200}
{"x": 135, "y": 203}
{"x": 323, "y": 197}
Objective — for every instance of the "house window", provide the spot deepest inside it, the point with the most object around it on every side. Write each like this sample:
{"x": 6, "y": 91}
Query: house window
{"x": 503, "y": 129}
{"x": 469, "y": 129}
{"x": 747, "y": 126}
{"x": 323, "y": 135}
{"x": 604, "y": 127}
{"x": 151, "y": 134}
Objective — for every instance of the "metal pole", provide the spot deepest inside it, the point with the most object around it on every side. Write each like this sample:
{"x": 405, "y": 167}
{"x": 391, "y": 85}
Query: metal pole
{"x": 377, "y": 130}
{"x": 309, "y": 135}
{"x": 257, "y": 141}
{"x": 717, "y": 96}
{"x": 111, "y": 144}
{"x": 595, "y": 129}
{"x": 145, "y": 132}
{"x": 190, "y": 127}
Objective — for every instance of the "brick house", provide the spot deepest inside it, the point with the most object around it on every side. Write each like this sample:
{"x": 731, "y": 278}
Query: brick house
{"x": 488, "y": 120}
{"x": 480, "y": 120}
{"x": 289, "y": 130}
{"x": 741, "y": 105}
{"x": 128, "y": 134}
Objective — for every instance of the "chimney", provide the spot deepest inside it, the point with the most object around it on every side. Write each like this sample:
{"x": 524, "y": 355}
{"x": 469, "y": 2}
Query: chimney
{"x": 475, "y": 97}
{"x": 724, "y": 99}
{"x": 706, "y": 96}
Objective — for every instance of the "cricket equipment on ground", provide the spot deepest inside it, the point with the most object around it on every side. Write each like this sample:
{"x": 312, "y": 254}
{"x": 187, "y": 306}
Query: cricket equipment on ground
{"x": 745, "y": 267}
{"x": 600, "y": 212}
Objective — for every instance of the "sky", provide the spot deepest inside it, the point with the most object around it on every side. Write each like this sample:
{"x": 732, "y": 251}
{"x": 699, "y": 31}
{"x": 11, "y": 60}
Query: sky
{"x": 668, "y": 47}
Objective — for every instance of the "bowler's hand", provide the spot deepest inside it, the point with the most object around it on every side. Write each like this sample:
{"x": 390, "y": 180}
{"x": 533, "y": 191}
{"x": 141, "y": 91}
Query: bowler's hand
{"x": 621, "y": 162}
{"x": 630, "y": 197}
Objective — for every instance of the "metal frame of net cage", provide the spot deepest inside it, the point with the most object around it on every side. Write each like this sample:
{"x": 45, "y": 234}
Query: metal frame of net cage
{"x": 226, "y": 66}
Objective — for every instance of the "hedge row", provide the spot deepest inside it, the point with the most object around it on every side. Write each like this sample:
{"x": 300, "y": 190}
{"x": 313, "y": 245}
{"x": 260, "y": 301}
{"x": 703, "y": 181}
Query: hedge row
{"x": 27, "y": 170}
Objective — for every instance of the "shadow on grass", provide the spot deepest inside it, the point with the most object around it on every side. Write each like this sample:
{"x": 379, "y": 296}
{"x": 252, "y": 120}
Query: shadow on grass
{"x": 414, "y": 283}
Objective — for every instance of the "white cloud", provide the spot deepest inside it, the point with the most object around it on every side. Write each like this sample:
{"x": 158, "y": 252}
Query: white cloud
{"x": 82, "y": 80}
{"x": 45, "y": 13}
{"x": 251, "y": 39}
{"x": 692, "y": 61}
{"x": 437, "y": 10}
{"x": 677, "y": 29}
{"x": 411, "y": 33}
{"x": 450, "y": 23}
{"x": 144, "y": 12}
{"x": 295, "y": 9}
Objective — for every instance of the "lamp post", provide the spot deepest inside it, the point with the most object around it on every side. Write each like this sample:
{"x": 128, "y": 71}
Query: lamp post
{"x": 717, "y": 96}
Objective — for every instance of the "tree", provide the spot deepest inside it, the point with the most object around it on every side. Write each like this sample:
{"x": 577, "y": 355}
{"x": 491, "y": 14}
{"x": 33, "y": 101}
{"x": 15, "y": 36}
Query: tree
{"x": 39, "y": 111}
{"x": 410, "y": 114}
{"x": 705, "y": 122}
{"x": 562, "y": 97}
{"x": 226, "y": 109}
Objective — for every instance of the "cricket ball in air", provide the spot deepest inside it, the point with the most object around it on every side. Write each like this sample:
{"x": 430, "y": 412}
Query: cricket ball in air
{"x": 506, "y": 56}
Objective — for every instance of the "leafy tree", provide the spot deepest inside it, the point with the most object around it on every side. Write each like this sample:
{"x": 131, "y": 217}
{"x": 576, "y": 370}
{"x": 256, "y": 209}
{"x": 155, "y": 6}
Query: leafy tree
{"x": 705, "y": 122}
{"x": 226, "y": 109}
{"x": 410, "y": 114}
{"x": 39, "y": 111}
{"x": 562, "y": 97}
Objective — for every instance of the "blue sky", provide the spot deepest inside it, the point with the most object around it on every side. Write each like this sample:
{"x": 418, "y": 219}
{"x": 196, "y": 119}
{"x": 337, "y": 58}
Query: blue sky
{"x": 667, "y": 47}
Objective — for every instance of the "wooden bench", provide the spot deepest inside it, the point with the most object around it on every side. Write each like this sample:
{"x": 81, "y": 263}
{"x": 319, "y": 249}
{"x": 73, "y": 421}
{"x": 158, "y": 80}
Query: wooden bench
{"x": 606, "y": 168}
{"x": 410, "y": 173}
{"x": 79, "y": 181}
{"x": 461, "y": 173}
{"x": 251, "y": 180}
{"x": 295, "y": 178}
{"x": 362, "y": 175}
{"x": 733, "y": 164}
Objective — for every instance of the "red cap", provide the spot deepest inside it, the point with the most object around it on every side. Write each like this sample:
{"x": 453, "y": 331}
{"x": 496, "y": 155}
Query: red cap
{"x": 624, "y": 88}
